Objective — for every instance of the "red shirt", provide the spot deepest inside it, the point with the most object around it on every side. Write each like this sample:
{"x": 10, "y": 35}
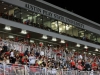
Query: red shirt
{"x": 24, "y": 61}
{"x": 73, "y": 63}
{"x": 94, "y": 66}
{"x": 36, "y": 64}
{"x": 21, "y": 54}
{"x": 7, "y": 53}
{"x": 16, "y": 39}
{"x": 28, "y": 36}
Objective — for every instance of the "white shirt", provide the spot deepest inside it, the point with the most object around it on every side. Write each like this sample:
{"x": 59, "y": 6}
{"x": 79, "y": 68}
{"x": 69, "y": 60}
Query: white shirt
{"x": 41, "y": 53}
{"x": 34, "y": 50}
{"x": 53, "y": 71}
{"x": 7, "y": 61}
{"x": 32, "y": 60}
{"x": 80, "y": 57}
{"x": 11, "y": 46}
{"x": 12, "y": 54}
{"x": 15, "y": 47}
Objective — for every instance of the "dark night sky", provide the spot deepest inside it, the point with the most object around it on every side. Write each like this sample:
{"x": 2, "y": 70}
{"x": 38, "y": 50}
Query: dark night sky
{"x": 89, "y": 10}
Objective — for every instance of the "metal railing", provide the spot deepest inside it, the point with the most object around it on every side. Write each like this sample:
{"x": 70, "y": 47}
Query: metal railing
{"x": 9, "y": 69}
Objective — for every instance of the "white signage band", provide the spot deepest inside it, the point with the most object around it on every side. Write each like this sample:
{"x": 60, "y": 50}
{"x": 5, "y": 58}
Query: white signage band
{"x": 53, "y": 15}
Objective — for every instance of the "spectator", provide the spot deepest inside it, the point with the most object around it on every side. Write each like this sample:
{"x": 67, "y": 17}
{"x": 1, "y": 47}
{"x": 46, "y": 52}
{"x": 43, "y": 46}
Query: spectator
{"x": 12, "y": 57}
{"x": 32, "y": 59}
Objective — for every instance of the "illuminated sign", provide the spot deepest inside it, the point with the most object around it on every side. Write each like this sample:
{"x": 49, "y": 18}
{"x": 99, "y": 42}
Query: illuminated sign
{"x": 53, "y": 15}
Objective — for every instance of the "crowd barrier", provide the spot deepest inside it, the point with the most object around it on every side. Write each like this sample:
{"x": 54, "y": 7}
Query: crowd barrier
{"x": 9, "y": 69}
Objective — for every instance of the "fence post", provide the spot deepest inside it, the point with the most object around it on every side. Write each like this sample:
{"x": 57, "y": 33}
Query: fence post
{"x": 61, "y": 71}
{"x": 4, "y": 68}
{"x": 45, "y": 71}
{"x": 25, "y": 70}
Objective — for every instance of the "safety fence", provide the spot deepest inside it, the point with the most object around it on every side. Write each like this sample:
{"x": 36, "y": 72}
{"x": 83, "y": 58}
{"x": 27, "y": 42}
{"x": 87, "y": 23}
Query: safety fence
{"x": 9, "y": 69}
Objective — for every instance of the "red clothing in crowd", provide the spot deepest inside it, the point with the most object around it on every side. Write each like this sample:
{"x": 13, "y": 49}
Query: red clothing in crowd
{"x": 28, "y": 36}
{"x": 72, "y": 63}
{"x": 24, "y": 61}
{"x": 40, "y": 44}
{"x": 94, "y": 66}
{"x": 36, "y": 64}
{"x": 21, "y": 54}
{"x": 7, "y": 53}
{"x": 16, "y": 39}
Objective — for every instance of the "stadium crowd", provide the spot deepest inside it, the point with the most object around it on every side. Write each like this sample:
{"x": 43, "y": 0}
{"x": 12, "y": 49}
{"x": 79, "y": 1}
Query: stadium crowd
{"x": 50, "y": 57}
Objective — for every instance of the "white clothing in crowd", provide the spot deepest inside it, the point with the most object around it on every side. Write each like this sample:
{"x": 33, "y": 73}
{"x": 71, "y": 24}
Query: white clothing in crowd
{"x": 14, "y": 45}
{"x": 12, "y": 54}
{"x": 49, "y": 52}
{"x": 32, "y": 60}
{"x": 53, "y": 71}
{"x": 42, "y": 53}
{"x": 80, "y": 57}
{"x": 91, "y": 73}
{"x": 7, "y": 61}
{"x": 35, "y": 49}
